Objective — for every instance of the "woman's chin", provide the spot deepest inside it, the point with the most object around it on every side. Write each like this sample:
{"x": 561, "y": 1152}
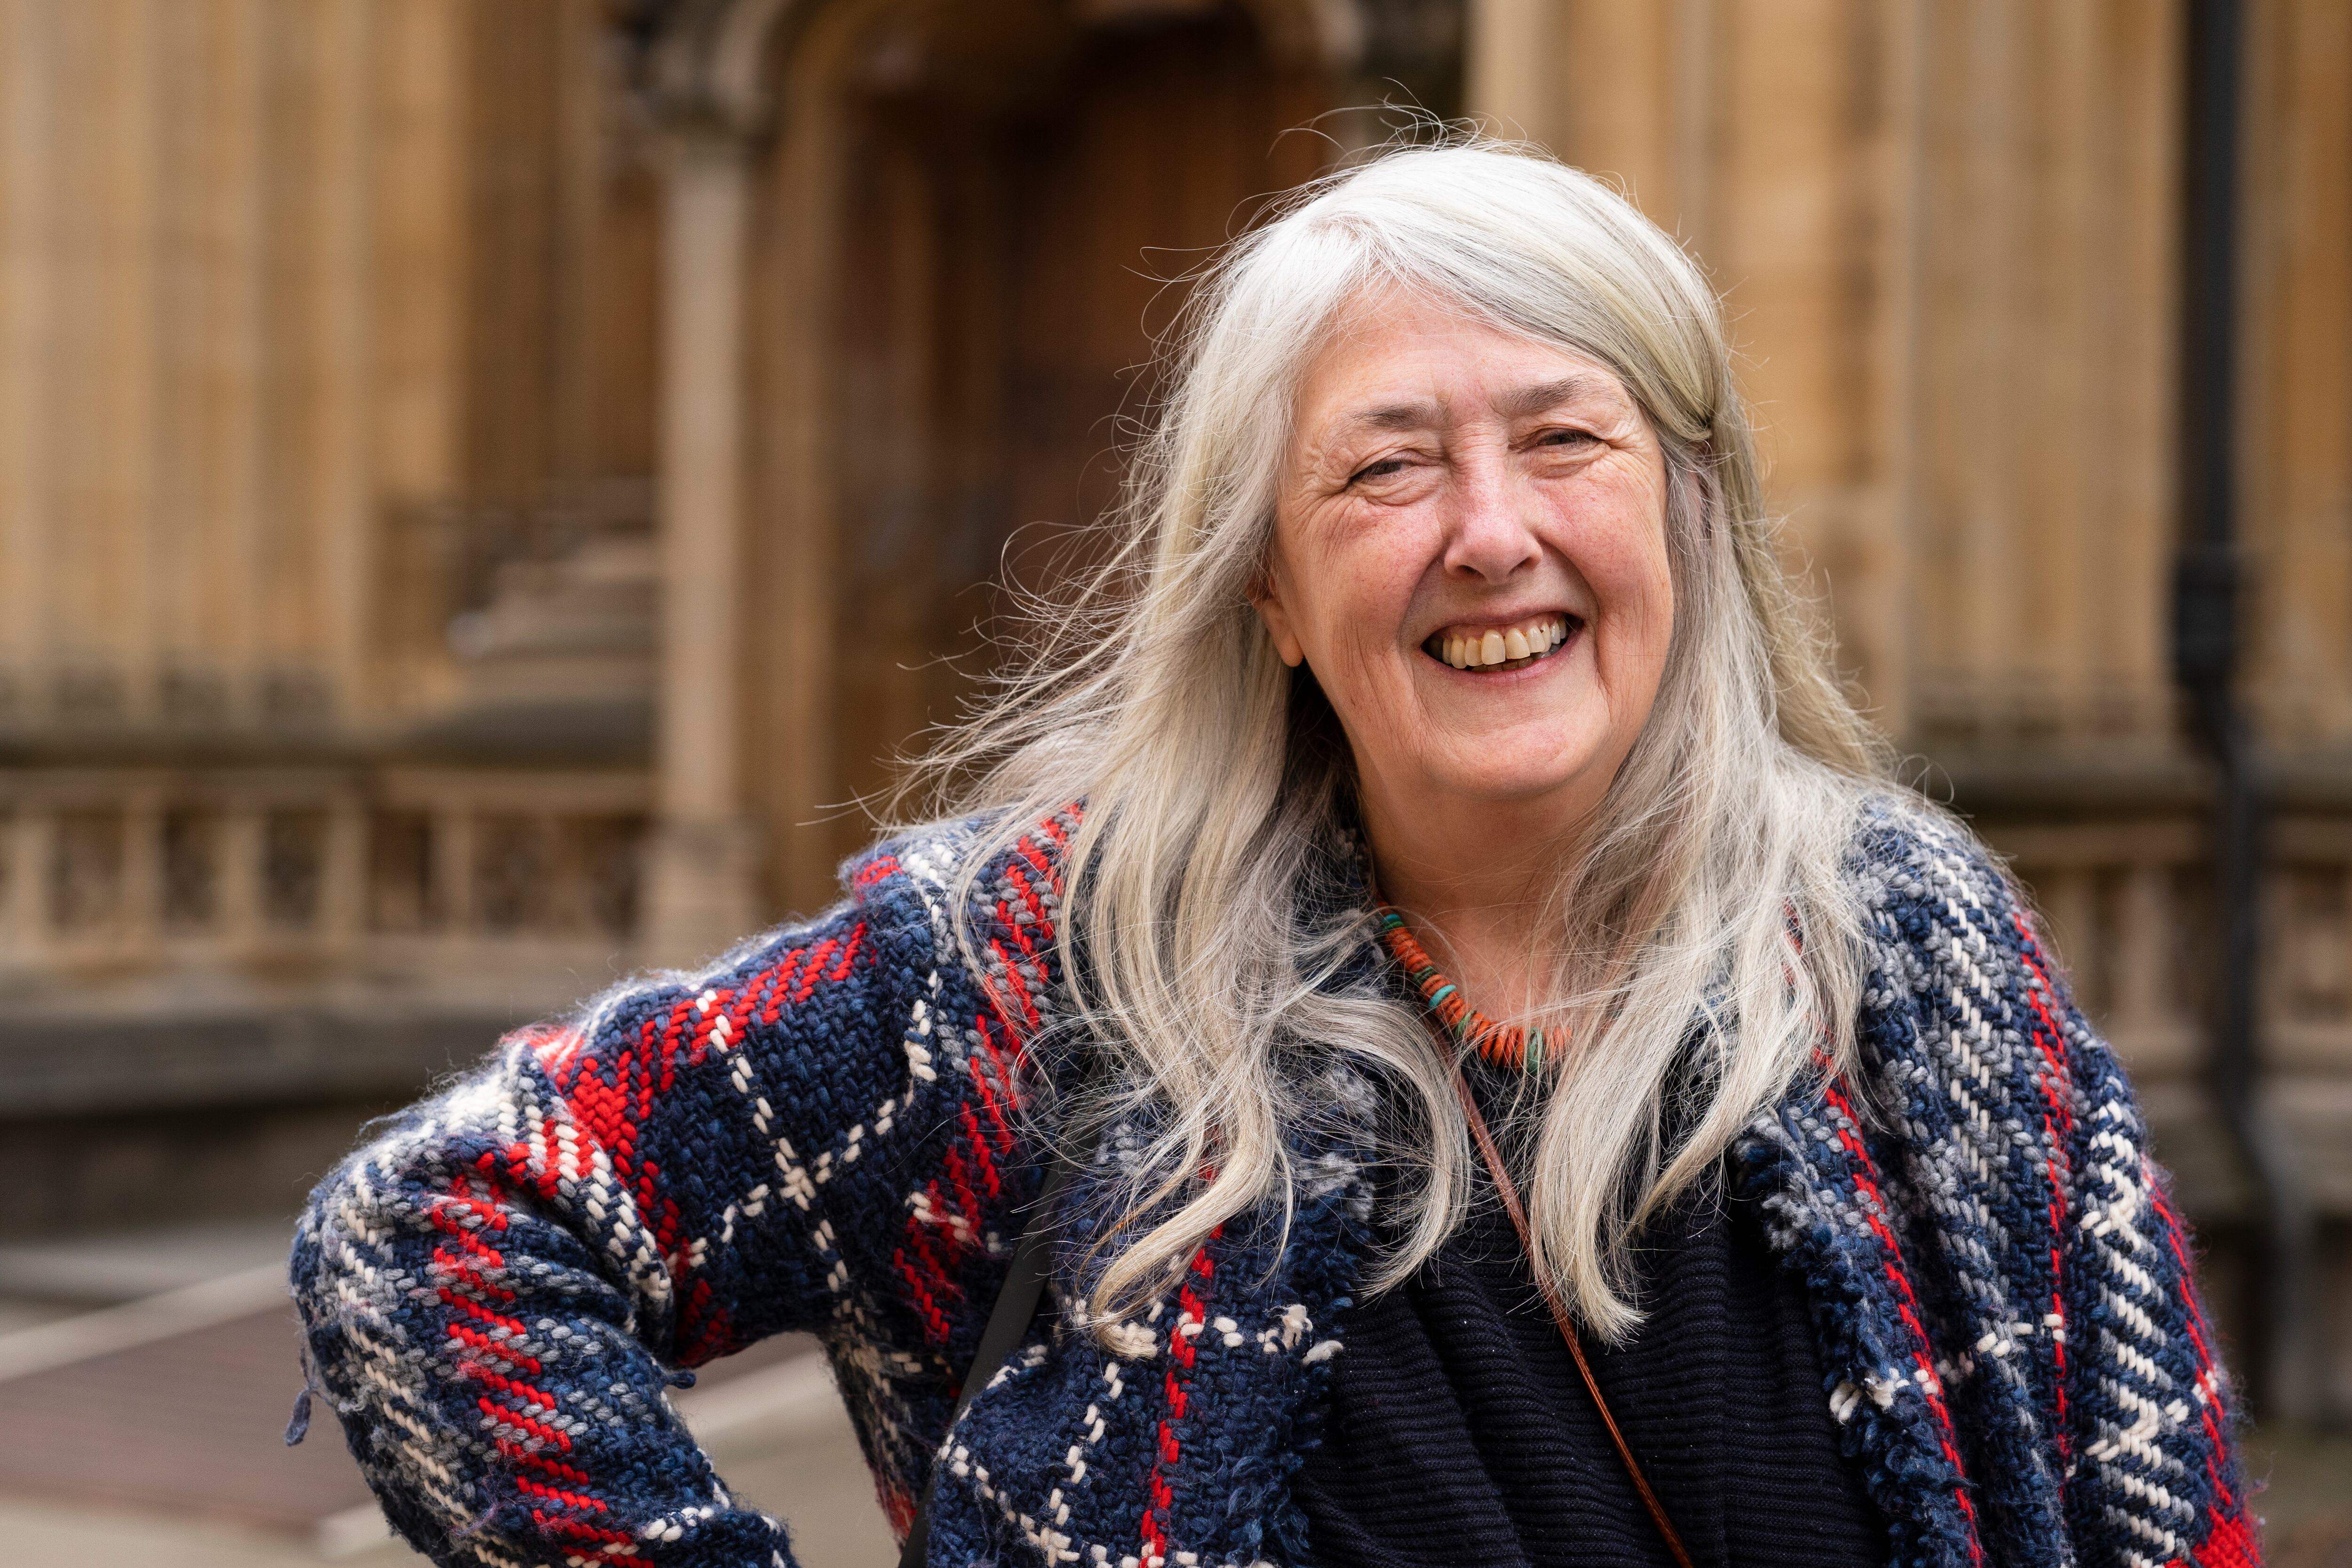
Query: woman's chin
{"x": 1507, "y": 778}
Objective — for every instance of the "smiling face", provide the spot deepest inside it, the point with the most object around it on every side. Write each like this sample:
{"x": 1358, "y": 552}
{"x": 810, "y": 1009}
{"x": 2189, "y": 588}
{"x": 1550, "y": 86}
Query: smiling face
{"x": 1470, "y": 554}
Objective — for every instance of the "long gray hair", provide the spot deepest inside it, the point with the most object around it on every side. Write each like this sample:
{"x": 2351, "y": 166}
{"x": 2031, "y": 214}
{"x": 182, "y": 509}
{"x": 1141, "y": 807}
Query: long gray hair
{"x": 1707, "y": 951}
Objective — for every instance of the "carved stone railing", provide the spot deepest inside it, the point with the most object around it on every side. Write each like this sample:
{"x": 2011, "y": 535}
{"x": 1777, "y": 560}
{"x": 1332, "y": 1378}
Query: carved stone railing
{"x": 387, "y": 895}
{"x": 181, "y": 934}
{"x": 109, "y": 870}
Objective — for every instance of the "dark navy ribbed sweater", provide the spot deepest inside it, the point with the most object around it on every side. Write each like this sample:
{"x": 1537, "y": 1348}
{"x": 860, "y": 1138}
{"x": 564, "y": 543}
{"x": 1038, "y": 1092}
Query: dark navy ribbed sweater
{"x": 1459, "y": 1432}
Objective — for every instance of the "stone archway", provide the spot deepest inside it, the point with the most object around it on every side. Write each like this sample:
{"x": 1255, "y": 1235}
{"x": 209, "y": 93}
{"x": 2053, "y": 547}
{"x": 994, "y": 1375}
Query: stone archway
{"x": 904, "y": 277}
{"x": 1011, "y": 197}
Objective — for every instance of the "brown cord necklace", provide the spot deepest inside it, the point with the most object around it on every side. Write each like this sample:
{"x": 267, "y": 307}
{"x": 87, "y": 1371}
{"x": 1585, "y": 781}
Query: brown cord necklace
{"x": 1510, "y": 1196}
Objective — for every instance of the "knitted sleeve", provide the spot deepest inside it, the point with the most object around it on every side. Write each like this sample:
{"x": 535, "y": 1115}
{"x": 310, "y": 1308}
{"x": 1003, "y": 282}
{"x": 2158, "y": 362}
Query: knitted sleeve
{"x": 2149, "y": 1414}
{"x": 494, "y": 1289}
{"x": 2035, "y": 1376}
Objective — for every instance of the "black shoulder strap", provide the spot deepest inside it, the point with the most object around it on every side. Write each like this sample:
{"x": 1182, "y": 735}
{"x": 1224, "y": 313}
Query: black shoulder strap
{"x": 1017, "y": 1304}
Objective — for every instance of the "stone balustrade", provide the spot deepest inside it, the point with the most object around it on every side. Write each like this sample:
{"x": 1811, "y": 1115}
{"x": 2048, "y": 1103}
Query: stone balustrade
{"x": 193, "y": 934}
{"x": 116, "y": 869}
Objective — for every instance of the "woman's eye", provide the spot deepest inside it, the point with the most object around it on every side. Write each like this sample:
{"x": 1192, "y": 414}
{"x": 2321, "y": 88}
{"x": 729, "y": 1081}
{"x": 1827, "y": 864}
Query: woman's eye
{"x": 1566, "y": 438}
{"x": 1379, "y": 470}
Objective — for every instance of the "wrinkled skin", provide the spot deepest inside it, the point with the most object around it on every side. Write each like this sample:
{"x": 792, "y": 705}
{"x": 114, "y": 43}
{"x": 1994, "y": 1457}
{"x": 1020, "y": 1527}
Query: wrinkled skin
{"x": 1443, "y": 474}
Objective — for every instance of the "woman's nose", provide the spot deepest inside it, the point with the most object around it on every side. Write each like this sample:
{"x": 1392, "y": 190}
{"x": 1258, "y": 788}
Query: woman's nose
{"x": 1492, "y": 532}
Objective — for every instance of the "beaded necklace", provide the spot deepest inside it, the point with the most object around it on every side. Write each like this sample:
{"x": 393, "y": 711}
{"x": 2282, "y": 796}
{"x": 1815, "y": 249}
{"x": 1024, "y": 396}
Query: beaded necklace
{"x": 1514, "y": 1047}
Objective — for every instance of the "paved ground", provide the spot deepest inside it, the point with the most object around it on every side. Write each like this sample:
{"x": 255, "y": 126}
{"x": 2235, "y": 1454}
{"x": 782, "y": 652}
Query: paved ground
{"x": 809, "y": 1473}
{"x": 145, "y": 1384}
{"x": 2308, "y": 1500}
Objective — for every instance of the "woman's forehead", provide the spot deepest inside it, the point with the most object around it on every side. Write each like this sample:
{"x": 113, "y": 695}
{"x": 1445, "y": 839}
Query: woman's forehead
{"x": 1410, "y": 364}
{"x": 1510, "y": 399}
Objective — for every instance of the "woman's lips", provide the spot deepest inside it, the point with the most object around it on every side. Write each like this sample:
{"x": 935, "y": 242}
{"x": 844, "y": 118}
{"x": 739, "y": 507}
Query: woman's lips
{"x": 1482, "y": 649}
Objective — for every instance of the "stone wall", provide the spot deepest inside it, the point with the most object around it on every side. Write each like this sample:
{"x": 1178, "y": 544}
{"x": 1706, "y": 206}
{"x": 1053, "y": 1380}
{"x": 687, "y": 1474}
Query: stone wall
{"x": 341, "y": 341}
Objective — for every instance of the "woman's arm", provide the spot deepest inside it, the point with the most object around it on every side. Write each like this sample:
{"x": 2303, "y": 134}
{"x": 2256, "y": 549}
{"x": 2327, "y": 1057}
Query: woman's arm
{"x": 493, "y": 1289}
{"x": 2150, "y": 1435}
{"x": 2043, "y": 1306}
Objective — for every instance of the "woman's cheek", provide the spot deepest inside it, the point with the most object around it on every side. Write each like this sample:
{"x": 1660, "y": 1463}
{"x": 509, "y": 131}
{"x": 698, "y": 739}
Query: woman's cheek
{"x": 1361, "y": 671}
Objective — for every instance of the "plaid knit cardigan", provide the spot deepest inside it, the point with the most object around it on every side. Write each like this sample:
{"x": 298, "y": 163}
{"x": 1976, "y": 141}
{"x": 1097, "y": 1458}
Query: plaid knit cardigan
{"x": 819, "y": 1132}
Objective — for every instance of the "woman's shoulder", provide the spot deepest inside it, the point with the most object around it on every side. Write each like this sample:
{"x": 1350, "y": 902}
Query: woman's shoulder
{"x": 894, "y": 938}
{"x": 1005, "y": 864}
{"x": 973, "y": 899}
{"x": 1905, "y": 854}
{"x": 1942, "y": 916}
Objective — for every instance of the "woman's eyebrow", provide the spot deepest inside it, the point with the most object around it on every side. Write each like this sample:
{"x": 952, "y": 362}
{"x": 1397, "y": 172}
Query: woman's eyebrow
{"x": 1417, "y": 414}
{"x": 1528, "y": 401}
{"x": 1424, "y": 413}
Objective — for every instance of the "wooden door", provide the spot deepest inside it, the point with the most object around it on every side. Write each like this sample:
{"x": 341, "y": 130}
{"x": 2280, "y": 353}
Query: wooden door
{"x": 1011, "y": 229}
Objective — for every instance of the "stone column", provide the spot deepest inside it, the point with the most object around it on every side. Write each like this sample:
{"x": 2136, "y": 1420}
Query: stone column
{"x": 1509, "y": 64}
{"x": 700, "y": 893}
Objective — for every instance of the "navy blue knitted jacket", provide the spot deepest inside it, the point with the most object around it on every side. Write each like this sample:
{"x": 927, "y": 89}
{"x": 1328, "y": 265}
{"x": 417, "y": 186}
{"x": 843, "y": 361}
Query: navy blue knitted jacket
{"x": 818, "y": 1132}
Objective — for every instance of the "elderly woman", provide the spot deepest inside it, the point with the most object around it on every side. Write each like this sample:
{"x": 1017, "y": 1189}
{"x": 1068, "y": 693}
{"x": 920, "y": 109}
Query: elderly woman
{"x": 1537, "y": 1094}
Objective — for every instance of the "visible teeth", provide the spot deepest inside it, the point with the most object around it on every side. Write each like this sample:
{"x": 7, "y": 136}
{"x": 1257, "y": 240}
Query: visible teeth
{"x": 1503, "y": 645}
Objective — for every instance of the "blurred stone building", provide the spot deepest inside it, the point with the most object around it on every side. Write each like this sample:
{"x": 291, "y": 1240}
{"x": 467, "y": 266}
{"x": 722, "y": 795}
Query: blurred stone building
{"x": 484, "y": 482}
